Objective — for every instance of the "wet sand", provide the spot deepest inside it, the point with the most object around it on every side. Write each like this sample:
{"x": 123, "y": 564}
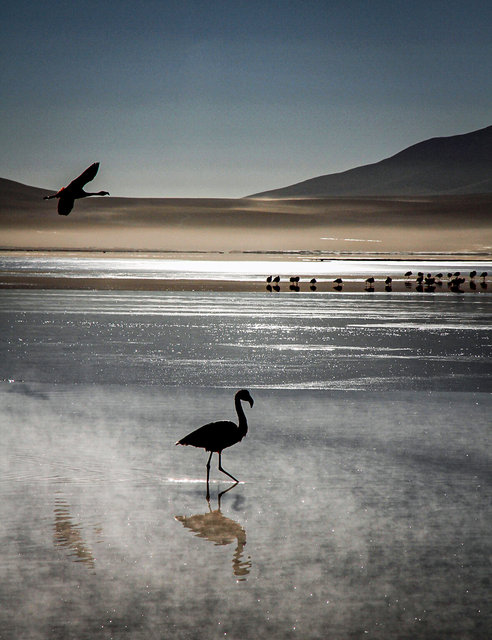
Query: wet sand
{"x": 350, "y": 285}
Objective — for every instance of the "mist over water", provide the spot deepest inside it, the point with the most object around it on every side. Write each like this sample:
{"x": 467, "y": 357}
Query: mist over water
{"x": 364, "y": 503}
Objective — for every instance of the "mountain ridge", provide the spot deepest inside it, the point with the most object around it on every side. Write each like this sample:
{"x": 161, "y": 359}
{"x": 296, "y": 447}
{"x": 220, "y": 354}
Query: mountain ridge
{"x": 452, "y": 165}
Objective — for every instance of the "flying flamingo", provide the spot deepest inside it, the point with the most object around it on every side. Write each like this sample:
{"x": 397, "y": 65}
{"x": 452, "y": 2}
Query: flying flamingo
{"x": 75, "y": 190}
{"x": 216, "y": 436}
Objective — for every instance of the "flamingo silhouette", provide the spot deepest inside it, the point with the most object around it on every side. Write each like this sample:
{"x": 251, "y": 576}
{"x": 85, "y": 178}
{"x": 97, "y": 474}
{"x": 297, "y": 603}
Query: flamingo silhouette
{"x": 216, "y": 436}
{"x": 75, "y": 190}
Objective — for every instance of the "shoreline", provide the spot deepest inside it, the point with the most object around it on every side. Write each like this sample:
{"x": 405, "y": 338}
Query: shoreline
{"x": 222, "y": 271}
{"x": 351, "y": 284}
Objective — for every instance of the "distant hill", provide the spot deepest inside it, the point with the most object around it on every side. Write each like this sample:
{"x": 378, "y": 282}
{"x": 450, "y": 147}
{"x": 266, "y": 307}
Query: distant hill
{"x": 459, "y": 164}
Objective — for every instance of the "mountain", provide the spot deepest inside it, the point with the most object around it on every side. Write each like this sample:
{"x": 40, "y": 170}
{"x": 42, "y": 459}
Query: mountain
{"x": 459, "y": 164}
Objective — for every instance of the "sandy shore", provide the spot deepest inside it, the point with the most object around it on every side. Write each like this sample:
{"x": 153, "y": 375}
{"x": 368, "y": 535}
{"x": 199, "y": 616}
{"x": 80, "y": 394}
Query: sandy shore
{"x": 325, "y": 226}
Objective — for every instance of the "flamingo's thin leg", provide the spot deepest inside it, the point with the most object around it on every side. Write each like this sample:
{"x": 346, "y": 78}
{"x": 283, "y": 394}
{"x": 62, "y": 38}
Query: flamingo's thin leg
{"x": 224, "y": 471}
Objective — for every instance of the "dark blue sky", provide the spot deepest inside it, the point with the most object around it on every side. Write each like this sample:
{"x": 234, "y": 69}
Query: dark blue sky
{"x": 225, "y": 98}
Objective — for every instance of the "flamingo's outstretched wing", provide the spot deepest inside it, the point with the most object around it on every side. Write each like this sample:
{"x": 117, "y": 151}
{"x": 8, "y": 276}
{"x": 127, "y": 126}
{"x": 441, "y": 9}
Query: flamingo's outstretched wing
{"x": 85, "y": 177}
{"x": 65, "y": 205}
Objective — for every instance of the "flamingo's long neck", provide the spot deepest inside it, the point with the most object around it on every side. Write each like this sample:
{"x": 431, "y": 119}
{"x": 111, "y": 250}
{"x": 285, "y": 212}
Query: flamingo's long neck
{"x": 243, "y": 424}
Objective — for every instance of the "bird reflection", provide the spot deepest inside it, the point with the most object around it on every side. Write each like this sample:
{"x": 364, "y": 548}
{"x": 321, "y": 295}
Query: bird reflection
{"x": 220, "y": 530}
{"x": 68, "y": 534}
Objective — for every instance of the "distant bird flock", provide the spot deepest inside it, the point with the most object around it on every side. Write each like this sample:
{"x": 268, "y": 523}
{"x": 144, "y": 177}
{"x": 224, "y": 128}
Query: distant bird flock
{"x": 424, "y": 282}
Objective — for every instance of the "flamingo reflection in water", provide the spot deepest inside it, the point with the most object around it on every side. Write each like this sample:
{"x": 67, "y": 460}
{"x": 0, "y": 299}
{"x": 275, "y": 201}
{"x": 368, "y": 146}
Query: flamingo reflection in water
{"x": 215, "y": 527}
{"x": 68, "y": 534}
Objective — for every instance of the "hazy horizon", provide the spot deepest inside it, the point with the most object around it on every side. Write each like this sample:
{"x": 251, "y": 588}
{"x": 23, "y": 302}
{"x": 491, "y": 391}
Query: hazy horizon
{"x": 229, "y": 98}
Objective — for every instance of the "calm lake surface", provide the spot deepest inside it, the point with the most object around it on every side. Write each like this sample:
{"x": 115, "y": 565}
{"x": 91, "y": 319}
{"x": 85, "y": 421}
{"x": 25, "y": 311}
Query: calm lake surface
{"x": 240, "y": 270}
{"x": 364, "y": 508}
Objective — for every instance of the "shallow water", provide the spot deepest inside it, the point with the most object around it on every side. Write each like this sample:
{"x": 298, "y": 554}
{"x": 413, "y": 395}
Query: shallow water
{"x": 108, "y": 267}
{"x": 364, "y": 503}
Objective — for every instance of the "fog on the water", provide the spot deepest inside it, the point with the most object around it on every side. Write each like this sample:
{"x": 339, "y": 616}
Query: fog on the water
{"x": 363, "y": 508}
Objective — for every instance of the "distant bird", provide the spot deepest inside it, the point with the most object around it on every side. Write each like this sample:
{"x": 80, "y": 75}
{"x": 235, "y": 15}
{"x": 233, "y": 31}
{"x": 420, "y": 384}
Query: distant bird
{"x": 473, "y": 274}
{"x": 269, "y": 279}
{"x": 370, "y": 281}
{"x": 75, "y": 190}
{"x": 216, "y": 436}
{"x": 276, "y": 279}
{"x": 313, "y": 281}
{"x": 338, "y": 281}
{"x": 388, "y": 281}
{"x": 408, "y": 274}
{"x": 439, "y": 276}
{"x": 484, "y": 274}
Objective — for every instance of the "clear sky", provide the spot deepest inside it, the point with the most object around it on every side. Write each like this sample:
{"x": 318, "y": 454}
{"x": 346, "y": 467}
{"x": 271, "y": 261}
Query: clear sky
{"x": 223, "y": 98}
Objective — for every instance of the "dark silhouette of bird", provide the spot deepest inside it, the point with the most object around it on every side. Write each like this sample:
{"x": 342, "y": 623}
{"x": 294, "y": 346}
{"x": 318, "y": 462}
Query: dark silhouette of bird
{"x": 313, "y": 281}
{"x": 483, "y": 275}
{"x": 408, "y": 274}
{"x": 276, "y": 279}
{"x": 338, "y": 281}
{"x": 75, "y": 190}
{"x": 388, "y": 280}
{"x": 269, "y": 279}
{"x": 216, "y": 436}
{"x": 473, "y": 274}
{"x": 370, "y": 283}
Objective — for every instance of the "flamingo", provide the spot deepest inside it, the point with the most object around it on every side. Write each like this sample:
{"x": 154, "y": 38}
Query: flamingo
{"x": 216, "y": 436}
{"x": 75, "y": 190}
